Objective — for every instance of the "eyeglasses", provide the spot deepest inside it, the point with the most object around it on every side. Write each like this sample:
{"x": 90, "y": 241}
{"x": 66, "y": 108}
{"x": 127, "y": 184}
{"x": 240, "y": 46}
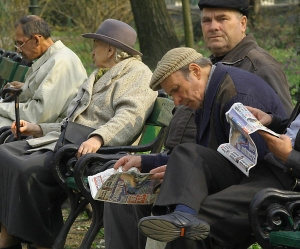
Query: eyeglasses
{"x": 19, "y": 47}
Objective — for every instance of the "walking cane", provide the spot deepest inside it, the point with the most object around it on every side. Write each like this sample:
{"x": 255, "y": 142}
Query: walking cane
{"x": 15, "y": 93}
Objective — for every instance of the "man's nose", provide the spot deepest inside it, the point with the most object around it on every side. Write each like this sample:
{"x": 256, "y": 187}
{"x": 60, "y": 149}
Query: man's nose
{"x": 214, "y": 25}
{"x": 176, "y": 100}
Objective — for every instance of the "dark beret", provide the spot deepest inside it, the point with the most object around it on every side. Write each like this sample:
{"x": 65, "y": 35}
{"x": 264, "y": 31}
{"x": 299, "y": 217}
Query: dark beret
{"x": 240, "y": 5}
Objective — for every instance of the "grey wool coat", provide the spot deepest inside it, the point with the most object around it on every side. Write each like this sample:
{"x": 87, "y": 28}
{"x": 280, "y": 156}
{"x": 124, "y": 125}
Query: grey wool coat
{"x": 117, "y": 106}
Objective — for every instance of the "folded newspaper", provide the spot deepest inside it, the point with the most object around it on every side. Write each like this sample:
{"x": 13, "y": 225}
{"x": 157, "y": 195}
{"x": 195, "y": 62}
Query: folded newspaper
{"x": 130, "y": 187}
{"x": 241, "y": 150}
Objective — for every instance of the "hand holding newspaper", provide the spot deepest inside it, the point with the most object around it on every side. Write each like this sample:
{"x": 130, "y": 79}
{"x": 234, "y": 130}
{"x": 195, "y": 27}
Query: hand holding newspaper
{"x": 241, "y": 150}
{"x": 130, "y": 187}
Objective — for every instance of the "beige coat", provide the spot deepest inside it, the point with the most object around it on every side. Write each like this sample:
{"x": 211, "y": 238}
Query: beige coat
{"x": 50, "y": 85}
{"x": 117, "y": 105}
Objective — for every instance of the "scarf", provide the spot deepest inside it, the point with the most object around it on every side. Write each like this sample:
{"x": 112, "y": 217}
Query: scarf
{"x": 100, "y": 73}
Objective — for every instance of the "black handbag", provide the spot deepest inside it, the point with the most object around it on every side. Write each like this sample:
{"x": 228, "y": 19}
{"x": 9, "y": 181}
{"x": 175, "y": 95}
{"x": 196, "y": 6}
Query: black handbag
{"x": 72, "y": 133}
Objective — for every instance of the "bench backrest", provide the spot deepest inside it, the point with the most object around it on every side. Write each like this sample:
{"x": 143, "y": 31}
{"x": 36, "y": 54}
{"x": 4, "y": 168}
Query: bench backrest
{"x": 20, "y": 73}
{"x": 7, "y": 69}
{"x": 160, "y": 116}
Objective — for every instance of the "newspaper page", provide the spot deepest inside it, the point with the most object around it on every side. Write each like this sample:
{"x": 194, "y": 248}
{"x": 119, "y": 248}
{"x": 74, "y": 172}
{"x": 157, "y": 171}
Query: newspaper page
{"x": 241, "y": 150}
{"x": 130, "y": 187}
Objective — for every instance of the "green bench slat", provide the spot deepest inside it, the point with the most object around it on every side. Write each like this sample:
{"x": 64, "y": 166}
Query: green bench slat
{"x": 285, "y": 238}
{"x": 71, "y": 182}
{"x": 7, "y": 69}
{"x": 20, "y": 73}
{"x": 161, "y": 114}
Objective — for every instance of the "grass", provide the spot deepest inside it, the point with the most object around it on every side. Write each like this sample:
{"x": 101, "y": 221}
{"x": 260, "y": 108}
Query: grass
{"x": 255, "y": 246}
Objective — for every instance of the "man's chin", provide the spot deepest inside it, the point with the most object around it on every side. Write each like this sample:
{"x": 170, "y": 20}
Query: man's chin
{"x": 217, "y": 50}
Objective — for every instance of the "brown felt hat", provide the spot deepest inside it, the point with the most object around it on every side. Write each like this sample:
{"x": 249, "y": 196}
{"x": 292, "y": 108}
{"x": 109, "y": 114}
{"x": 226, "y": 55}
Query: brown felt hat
{"x": 117, "y": 34}
{"x": 240, "y": 5}
{"x": 171, "y": 62}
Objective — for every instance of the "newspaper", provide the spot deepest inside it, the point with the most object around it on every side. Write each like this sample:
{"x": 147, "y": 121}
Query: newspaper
{"x": 241, "y": 150}
{"x": 130, "y": 187}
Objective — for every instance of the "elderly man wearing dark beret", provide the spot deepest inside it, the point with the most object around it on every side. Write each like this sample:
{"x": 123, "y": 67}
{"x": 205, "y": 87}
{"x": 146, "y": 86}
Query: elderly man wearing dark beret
{"x": 223, "y": 24}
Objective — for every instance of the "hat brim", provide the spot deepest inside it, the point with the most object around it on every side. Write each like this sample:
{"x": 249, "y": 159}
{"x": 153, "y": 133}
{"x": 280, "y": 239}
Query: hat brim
{"x": 113, "y": 42}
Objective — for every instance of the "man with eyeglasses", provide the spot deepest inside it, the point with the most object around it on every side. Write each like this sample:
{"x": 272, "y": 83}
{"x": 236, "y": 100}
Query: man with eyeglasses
{"x": 53, "y": 79}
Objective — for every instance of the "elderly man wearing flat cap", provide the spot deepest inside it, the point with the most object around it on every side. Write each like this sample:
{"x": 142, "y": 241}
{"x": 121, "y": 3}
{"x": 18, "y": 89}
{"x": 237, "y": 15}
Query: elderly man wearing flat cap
{"x": 202, "y": 193}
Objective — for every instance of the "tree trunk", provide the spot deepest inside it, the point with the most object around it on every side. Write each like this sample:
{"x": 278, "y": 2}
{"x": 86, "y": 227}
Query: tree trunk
{"x": 256, "y": 7}
{"x": 188, "y": 26}
{"x": 155, "y": 29}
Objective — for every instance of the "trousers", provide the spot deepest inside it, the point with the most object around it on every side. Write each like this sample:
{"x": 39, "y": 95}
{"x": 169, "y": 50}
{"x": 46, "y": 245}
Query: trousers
{"x": 204, "y": 180}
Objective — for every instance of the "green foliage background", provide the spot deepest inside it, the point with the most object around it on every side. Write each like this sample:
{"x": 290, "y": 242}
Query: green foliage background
{"x": 276, "y": 29}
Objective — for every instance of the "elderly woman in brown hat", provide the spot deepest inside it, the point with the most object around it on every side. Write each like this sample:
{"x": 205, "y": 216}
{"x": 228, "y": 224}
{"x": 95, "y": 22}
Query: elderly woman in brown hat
{"x": 115, "y": 101}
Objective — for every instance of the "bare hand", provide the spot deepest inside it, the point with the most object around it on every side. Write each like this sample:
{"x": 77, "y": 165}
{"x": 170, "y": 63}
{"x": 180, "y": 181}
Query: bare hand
{"x": 14, "y": 84}
{"x": 159, "y": 172}
{"x": 91, "y": 145}
{"x": 261, "y": 116}
{"x": 27, "y": 129}
{"x": 128, "y": 162}
{"x": 281, "y": 147}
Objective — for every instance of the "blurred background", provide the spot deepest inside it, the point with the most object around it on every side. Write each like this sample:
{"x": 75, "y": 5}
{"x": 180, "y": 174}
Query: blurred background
{"x": 161, "y": 25}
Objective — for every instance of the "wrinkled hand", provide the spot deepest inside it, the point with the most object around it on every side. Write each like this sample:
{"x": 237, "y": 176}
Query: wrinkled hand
{"x": 14, "y": 84}
{"x": 128, "y": 162}
{"x": 159, "y": 172}
{"x": 27, "y": 129}
{"x": 261, "y": 116}
{"x": 91, "y": 145}
{"x": 281, "y": 147}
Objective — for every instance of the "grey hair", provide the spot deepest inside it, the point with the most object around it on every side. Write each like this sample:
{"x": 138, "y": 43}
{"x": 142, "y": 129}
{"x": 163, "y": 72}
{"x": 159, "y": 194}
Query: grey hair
{"x": 121, "y": 55}
{"x": 34, "y": 25}
{"x": 201, "y": 62}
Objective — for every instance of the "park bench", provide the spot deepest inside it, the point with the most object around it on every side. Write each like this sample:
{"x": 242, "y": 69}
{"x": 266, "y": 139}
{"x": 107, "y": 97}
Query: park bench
{"x": 280, "y": 227}
{"x": 75, "y": 184}
{"x": 11, "y": 68}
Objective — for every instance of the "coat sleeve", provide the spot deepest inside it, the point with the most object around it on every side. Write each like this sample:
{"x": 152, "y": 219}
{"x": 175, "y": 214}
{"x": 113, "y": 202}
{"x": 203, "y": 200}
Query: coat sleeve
{"x": 278, "y": 124}
{"x": 293, "y": 163}
{"x": 276, "y": 78}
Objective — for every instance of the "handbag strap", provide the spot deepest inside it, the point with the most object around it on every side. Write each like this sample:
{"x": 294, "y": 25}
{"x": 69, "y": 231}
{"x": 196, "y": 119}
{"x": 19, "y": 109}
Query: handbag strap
{"x": 73, "y": 110}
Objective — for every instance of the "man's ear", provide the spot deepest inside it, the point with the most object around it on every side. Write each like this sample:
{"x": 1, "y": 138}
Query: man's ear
{"x": 37, "y": 39}
{"x": 195, "y": 70}
{"x": 244, "y": 23}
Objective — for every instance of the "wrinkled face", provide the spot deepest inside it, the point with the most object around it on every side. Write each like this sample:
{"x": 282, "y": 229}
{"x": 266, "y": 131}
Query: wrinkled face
{"x": 187, "y": 91}
{"x": 100, "y": 54}
{"x": 222, "y": 29}
{"x": 25, "y": 45}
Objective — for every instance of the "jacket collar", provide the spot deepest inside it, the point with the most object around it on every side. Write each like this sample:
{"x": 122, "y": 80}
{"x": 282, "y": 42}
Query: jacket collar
{"x": 238, "y": 53}
{"x": 107, "y": 78}
{"x": 54, "y": 48}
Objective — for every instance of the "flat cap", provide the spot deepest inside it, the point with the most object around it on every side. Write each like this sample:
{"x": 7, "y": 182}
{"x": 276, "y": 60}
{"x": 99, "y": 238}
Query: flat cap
{"x": 240, "y": 5}
{"x": 171, "y": 62}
